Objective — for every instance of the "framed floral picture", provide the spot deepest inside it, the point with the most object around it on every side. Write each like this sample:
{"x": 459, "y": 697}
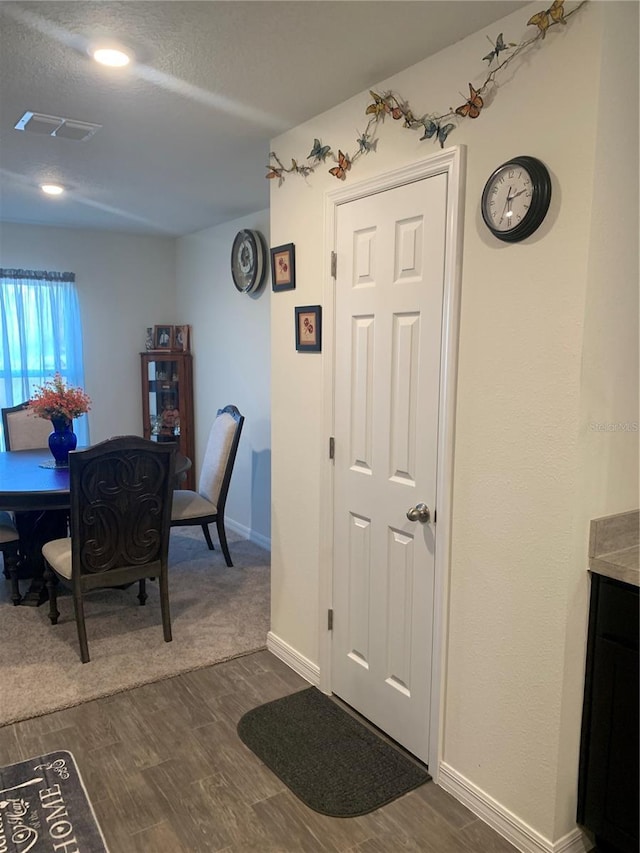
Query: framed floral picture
{"x": 283, "y": 267}
{"x": 163, "y": 337}
{"x": 309, "y": 328}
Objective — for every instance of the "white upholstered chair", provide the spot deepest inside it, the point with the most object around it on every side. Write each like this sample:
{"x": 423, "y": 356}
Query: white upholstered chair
{"x": 9, "y": 548}
{"x": 207, "y": 504}
{"x": 24, "y": 430}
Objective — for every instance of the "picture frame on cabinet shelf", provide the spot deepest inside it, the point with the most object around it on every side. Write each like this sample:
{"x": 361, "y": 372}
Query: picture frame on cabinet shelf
{"x": 181, "y": 338}
{"x": 163, "y": 337}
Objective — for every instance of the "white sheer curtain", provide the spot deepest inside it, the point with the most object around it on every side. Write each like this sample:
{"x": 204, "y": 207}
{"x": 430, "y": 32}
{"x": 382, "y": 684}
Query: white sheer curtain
{"x": 40, "y": 333}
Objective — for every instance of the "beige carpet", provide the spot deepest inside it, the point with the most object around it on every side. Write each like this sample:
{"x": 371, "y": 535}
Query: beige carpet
{"x": 216, "y": 613}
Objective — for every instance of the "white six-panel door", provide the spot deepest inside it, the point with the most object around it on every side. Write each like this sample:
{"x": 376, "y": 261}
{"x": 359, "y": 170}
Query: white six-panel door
{"x": 388, "y": 326}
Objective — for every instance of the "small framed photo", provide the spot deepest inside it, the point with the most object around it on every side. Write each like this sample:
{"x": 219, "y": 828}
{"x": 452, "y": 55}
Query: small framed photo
{"x": 309, "y": 328}
{"x": 181, "y": 337}
{"x": 163, "y": 337}
{"x": 283, "y": 267}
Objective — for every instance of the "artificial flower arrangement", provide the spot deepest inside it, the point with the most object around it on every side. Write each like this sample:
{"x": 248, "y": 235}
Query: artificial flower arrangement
{"x": 54, "y": 399}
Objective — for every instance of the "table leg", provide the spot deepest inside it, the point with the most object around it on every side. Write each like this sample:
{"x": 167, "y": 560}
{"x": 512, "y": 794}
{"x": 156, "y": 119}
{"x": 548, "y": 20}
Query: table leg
{"x": 35, "y": 528}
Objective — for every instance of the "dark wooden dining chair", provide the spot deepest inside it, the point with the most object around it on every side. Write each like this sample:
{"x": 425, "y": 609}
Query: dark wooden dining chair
{"x": 120, "y": 495}
{"x": 9, "y": 540}
{"x": 23, "y": 430}
{"x": 207, "y": 504}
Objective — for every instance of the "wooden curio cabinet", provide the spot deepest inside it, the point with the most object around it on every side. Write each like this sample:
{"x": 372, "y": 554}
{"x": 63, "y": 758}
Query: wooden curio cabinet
{"x": 167, "y": 402}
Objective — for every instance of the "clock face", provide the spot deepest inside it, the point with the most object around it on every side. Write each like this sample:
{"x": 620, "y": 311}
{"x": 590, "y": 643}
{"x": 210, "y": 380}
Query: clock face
{"x": 509, "y": 194}
{"x": 247, "y": 261}
{"x": 516, "y": 198}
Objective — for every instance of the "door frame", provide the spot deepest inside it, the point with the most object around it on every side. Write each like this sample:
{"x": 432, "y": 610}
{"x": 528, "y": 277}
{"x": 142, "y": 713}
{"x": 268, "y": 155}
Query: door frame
{"x": 452, "y": 162}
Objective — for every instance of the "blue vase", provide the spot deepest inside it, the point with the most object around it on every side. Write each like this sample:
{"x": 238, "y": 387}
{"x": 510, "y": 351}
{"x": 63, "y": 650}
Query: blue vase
{"x": 62, "y": 440}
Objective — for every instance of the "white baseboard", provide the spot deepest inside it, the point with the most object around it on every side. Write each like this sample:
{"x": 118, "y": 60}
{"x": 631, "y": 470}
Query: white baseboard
{"x": 248, "y": 533}
{"x": 504, "y": 822}
{"x": 298, "y": 663}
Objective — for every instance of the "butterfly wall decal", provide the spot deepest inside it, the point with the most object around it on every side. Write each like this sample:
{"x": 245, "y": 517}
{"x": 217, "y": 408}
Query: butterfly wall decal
{"x": 319, "y": 151}
{"x": 379, "y": 107}
{"x": 543, "y": 19}
{"x": 498, "y": 47}
{"x": 473, "y": 105}
{"x": 433, "y": 128}
{"x": 365, "y": 143}
{"x": 409, "y": 118}
{"x": 390, "y": 103}
{"x": 344, "y": 164}
{"x": 301, "y": 170}
{"x": 275, "y": 173}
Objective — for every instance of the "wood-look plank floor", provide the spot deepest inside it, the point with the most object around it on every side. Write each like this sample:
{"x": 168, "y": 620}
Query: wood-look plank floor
{"x": 167, "y": 773}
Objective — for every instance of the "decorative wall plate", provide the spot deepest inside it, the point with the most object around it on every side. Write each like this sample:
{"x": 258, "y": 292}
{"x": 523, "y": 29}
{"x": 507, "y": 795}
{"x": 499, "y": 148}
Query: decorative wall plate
{"x": 247, "y": 261}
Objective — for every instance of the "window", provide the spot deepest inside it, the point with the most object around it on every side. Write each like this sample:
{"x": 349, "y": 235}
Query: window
{"x": 40, "y": 333}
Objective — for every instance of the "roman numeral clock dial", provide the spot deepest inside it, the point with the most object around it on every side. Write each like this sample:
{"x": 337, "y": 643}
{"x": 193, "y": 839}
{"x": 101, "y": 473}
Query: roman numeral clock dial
{"x": 516, "y": 198}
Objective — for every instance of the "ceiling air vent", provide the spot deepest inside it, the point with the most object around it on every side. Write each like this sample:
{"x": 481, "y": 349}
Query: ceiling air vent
{"x": 64, "y": 128}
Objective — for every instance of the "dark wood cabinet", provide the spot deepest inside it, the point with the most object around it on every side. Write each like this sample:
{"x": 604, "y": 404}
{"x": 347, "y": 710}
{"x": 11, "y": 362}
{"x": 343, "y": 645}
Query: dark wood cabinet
{"x": 608, "y": 778}
{"x": 167, "y": 402}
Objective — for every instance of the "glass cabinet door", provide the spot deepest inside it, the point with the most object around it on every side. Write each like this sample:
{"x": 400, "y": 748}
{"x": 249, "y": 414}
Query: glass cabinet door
{"x": 167, "y": 402}
{"x": 164, "y": 400}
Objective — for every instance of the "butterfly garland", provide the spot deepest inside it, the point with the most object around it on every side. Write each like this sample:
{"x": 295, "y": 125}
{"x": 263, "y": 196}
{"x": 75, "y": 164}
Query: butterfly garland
{"x": 436, "y": 127}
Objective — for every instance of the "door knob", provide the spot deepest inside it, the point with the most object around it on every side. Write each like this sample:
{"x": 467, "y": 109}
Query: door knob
{"x": 419, "y": 512}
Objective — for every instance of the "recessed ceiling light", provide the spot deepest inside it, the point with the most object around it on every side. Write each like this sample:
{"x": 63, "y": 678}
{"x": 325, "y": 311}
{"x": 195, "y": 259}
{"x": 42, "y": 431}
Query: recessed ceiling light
{"x": 52, "y": 189}
{"x": 111, "y": 56}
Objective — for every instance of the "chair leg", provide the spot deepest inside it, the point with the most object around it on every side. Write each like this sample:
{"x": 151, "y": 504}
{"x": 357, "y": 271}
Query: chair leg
{"x": 222, "y": 536}
{"x": 78, "y": 606}
{"x": 164, "y": 607}
{"x": 142, "y": 591}
{"x": 11, "y": 571}
{"x": 207, "y": 536}
{"x": 52, "y": 588}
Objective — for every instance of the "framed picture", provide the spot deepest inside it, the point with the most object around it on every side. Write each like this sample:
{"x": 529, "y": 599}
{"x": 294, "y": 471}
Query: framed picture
{"x": 181, "y": 340}
{"x": 163, "y": 337}
{"x": 283, "y": 267}
{"x": 309, "y": 328}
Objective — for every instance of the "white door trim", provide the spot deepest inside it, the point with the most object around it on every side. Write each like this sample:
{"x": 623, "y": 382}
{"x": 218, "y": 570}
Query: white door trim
{"x": 452, "y": 162}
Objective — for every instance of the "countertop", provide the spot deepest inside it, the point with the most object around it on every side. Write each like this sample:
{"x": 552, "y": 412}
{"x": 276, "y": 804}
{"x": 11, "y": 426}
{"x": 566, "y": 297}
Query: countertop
{"x": 614, "y": 547}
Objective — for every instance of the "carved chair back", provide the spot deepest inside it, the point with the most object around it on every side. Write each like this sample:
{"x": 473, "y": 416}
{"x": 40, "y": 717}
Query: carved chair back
{"x": 120, "y": 492}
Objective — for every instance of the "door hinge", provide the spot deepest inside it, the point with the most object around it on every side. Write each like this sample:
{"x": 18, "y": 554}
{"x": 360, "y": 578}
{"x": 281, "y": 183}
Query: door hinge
{"x": 334, "y": 265}
{"x": 332, "y": 447}
{"x": 330, "y": 620}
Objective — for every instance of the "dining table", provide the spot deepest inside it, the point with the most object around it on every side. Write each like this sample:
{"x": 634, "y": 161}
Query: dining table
{"x": 36, "y": 490}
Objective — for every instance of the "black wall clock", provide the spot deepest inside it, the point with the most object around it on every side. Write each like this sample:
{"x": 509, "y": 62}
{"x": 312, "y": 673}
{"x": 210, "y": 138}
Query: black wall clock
{"x": 247, "y": 261}
{"x": 516, "y": 198}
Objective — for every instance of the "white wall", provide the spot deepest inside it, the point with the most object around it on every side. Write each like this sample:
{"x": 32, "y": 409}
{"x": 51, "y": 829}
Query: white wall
{"x": 607, "y": 459}
{"x": 231, "y": 339}
{"x": 125, "y": 283}
{"x": 518, "y": 580}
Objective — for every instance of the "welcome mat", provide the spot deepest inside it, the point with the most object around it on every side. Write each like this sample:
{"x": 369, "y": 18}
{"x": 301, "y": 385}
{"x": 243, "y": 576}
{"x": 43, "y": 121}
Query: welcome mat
{"x": 44, "y": 808}
{"x": 330, "y": 761}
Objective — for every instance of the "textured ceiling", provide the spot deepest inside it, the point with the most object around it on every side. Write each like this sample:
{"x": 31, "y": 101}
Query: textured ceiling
{"x": 185, "y": 131}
